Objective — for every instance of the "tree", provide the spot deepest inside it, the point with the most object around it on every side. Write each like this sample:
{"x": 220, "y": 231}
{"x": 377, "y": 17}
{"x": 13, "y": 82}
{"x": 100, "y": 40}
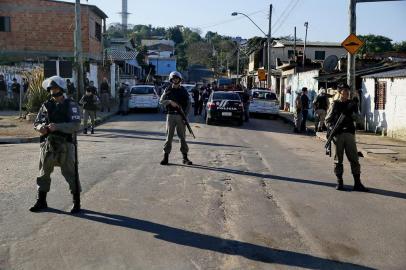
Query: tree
{"x": 199, "y": 53}
{"x": 174, "y": 33}
{"x": 400, "y": 46}
{"x": 375, "y": 44}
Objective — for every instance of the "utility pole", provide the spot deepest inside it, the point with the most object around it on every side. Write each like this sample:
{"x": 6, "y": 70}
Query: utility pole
{"x": 238, "y": 62}
{"x": 269, "y": 79}
{"x": 306, "y": 24}
{"x": 351, "y": 58}
{"x": 294, "y": 45}
{"x": 78, "y": 51}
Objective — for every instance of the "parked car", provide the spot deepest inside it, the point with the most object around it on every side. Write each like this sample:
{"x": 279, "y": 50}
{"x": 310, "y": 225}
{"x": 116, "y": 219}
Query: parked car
{"x": 223, "y": 106}
{"x": 143, "y": 97}
{"x": 264, "y": 102}
{"x": 189, "y": 88}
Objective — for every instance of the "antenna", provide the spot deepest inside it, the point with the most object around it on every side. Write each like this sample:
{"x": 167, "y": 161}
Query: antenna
{"x": 124, "y": 15}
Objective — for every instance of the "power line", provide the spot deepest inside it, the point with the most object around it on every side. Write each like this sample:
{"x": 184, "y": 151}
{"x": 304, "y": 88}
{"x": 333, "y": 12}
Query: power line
{"x": 282, "y": 14}
{"x": 286, "y": 17}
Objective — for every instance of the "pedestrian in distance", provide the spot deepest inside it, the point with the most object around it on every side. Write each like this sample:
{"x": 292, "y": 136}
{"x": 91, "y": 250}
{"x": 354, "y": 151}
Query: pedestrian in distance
{"x": 90, "y": 103}
{"x": 105, "y": 95}
{"x": 344, "y": 140}
{"x": 246, "y": 100}
{"x": 196, "y": 98}
{"x": 320, "y": 105}
{"x": 57, "y": 122}
{"x": 123, "y": 95}
{"x": 15, "y": 89}
{"x": 91, "y": 88}
{"x": 305, "y": 109}
{"x": 298, "y": 113}
{"x": 175, "y": 98}
{"x": 70, "y": 89}
{"x": 3, "y": 88}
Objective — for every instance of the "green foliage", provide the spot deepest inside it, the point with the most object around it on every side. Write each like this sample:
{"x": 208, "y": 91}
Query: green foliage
{"x": 36, "y": 94}
{"x": 400, "y": 46}
{"x": 175, "y": 34}
{"x": 375, "y": 44}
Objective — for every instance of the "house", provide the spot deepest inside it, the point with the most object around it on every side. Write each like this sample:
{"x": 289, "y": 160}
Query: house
{"x": 44, "y": 29}
{"x": 159, "y": 47}
{"x": 384, "y": 102}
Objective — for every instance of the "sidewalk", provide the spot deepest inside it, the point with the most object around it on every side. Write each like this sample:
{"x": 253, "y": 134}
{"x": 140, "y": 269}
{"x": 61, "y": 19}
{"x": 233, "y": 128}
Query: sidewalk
{"x": 14, "y": 130}
{"x": 385, "y": 149}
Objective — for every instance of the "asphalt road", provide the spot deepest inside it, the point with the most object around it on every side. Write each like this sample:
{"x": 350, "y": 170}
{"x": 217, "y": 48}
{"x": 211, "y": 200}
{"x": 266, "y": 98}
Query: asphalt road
{"x": 258, "y": 197}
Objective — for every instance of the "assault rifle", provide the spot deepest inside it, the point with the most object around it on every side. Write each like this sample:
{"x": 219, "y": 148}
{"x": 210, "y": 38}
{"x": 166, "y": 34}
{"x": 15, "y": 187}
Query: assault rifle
{"x": 75, "y": 143}
{"x": 183, "y": 115}
{"x": 333, "y": 132}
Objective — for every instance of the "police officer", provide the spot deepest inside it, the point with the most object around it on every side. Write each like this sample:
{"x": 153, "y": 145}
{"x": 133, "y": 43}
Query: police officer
{"x": 344, "y": 141}
{"x": 124, "y": 96}
{"x": 173, "y": 97}
{"x": 57, "y": 121}
{"x": 90, "y": 103}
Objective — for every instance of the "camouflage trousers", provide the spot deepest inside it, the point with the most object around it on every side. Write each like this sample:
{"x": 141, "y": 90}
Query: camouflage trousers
{"x": 175, "y": 122}
{"x": 345, "y": 143}
{"x": 62, "y": 156}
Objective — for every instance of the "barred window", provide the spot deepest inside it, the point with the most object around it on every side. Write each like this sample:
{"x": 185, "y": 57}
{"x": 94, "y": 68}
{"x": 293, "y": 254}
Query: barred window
{"x": 380, "y": 95}
{"x": 5, "y": 25}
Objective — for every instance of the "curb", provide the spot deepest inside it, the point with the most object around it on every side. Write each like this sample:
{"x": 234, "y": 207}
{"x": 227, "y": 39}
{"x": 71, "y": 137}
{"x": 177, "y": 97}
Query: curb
{"x": 286, "y": 119}
{"x": 36, "y": 139}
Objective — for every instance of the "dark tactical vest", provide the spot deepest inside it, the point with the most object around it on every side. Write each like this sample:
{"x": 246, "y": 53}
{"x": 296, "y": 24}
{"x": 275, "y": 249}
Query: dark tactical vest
{"x": 180, "y": 96}
{"x": 348, "y": 109}
{"x": 89, "y": 103}
{"x": 57, "y": 113}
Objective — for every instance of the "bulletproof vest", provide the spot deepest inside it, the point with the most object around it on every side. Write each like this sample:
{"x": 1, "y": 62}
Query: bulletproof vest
{"x": 58, "y": 113}
{"x": 178, "y": 95}
{"x": 322, "y": 102}
{"x": 89, "y": 103}
{"x": 104, "y": 87}
{"x": 346, "y": 108}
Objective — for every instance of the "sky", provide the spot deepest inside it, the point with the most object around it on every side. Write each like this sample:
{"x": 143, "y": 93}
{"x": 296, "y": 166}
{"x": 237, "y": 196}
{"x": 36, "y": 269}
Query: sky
{"x": 328, "y": 19}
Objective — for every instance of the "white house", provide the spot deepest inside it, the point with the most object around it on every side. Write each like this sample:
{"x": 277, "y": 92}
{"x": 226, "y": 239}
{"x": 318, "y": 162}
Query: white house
{"x": 315, "y": 50}
{"x": 384, "y": 102}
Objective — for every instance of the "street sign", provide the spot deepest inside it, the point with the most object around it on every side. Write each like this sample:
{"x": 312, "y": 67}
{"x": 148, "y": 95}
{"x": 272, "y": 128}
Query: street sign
{"x": 352, "y": 44}
{"x": 261, "y": 74}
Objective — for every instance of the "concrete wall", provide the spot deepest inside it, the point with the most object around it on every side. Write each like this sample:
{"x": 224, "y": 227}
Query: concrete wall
{"x": 393, "y": 118}
{"x": 282, "y": 52}
{"x": 45, "y": 28}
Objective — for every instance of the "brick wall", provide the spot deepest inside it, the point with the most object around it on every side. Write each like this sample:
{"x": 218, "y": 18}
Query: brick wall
{"x": 41, "y": 27}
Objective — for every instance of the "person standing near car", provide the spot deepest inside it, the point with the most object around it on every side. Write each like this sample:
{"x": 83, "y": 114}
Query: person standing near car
{"x": 246, "y": 98}
{"x": 320, "y": 107}
{"x": 196, "y": 99}
{"x": 174, "y": 98}
{"x": 123, "y": 95}
{"x": 305, "y": 108}
{"x": 344, "y": 140}
{"x": 105, "y": 95}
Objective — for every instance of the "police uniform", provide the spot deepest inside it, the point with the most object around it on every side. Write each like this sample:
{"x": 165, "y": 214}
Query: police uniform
{"x": 89, "y": 103}
{"x": 344, "y": 141}
{"x": 174, "y": 120}
{"x": 57, "y": 148}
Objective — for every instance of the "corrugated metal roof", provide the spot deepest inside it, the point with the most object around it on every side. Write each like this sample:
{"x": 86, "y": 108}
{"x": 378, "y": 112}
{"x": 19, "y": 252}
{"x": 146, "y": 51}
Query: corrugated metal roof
{"x": 121, "y": 55}
{"x": 388, "y": 74}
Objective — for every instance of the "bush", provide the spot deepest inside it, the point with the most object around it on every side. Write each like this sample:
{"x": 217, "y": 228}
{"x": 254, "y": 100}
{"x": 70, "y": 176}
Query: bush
{"x": 36, "y": 94}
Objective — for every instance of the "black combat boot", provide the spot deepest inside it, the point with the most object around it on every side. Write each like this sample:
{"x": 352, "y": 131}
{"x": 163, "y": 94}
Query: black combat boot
{"x": 85, "y": 131}
{"x": 76, "y": 204}
{"x": 340, "y": 183}
{"x": 92, "y": 130}
{"x": 165, "y": 160}
{"x": 358, "y": 186}
{"x": 186, "y": 161}
{"x": 41, "y": 203}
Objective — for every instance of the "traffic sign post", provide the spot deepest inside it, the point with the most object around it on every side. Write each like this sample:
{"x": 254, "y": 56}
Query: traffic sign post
{"x": 352, "y": 44}
{"x": 262, "y": 74}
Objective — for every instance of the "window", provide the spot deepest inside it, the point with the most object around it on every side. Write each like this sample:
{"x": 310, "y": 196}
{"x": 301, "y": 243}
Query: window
{"x": 319, "y": 55}
{"x": 380, "y": 95}
{"x": 5, "y": 25}
{"x": 98, "y": 31}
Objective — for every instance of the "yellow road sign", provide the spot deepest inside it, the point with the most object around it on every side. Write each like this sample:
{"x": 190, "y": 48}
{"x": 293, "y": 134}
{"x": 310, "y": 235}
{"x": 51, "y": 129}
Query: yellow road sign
{"x": 352, "y": 44}
{"x": 261, "y": 74}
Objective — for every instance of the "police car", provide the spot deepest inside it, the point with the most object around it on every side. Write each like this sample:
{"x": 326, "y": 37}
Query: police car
{"x": 223, "y": 106}
{"x": 143, "y": 97}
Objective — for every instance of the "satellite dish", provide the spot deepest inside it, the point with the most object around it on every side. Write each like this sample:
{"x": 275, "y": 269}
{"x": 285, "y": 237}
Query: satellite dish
{"x": 330, "y": 63}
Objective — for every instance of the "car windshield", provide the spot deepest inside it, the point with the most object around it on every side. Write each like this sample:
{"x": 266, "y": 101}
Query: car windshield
{"x": 229, "y": 96}
{"x": 142, "y": 90}
{"x": 264, "y": 95}
{"x": 189, "y": 87}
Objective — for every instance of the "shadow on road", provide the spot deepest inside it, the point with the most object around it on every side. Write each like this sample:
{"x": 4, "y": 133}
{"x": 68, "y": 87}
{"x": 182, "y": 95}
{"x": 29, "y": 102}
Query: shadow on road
{"x": 212, "y": 243}
{"x": 382, "y": 192}
{"x": 160, "y": 136}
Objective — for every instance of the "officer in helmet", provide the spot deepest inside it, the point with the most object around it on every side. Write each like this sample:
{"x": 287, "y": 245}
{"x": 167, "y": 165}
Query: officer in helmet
{"x": 57, "y": 121}
{"x": 344, "y": 140}
{"x": 175, "y": 96}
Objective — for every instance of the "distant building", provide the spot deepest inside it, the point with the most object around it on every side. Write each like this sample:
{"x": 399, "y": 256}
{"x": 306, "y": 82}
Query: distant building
{"x": 384, "y": 102}
{"x": 45, "y": 29}
{"x": 163, "y": 66}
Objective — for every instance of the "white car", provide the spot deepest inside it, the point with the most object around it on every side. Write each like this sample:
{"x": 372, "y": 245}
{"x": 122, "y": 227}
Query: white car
{"x": 143, "y": 97}
{"x": 189, "y": 88}
{"x": 264, "y": 102}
